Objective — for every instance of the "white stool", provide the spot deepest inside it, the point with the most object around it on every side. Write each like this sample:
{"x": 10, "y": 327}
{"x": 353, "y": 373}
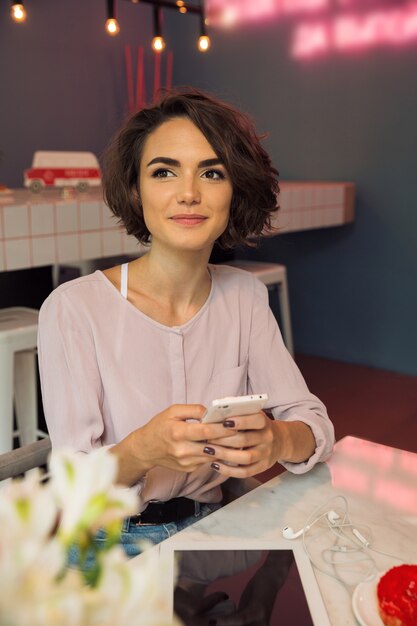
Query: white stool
{"x": 18, "y": 335}
{"x": 272, "y": 275}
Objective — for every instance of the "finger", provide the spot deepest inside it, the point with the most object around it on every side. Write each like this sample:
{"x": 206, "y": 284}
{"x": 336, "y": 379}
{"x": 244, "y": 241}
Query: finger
{"x": 248, "y": 456}
{"x": 205, "y": 432}
{"x": 256, "y": 421}
{"x": 183, "y": 412}
{"x": 239, "y": 471}
{"x": 242, "y": 439}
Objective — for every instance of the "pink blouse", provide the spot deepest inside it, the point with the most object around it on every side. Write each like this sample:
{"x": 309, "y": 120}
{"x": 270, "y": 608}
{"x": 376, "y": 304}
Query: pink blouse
{"x": 107, "y": 369}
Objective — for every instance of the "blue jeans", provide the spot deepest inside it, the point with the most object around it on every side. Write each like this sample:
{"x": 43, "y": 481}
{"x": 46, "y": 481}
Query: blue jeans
{"x": 155, "y": 533}
{"x": 132, "y": 534}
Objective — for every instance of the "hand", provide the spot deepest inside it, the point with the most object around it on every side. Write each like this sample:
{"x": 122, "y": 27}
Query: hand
{"x": 258, "y": 442}
{"x": 168, "y": 440}
{"x": 253, "y": 443}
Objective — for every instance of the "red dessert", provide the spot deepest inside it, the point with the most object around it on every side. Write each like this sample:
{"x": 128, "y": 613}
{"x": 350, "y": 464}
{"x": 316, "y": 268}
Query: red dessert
{"x": 397, "y": 596}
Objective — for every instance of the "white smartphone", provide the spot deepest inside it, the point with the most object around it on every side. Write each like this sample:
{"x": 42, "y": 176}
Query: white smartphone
{"x": 222, "y": 409}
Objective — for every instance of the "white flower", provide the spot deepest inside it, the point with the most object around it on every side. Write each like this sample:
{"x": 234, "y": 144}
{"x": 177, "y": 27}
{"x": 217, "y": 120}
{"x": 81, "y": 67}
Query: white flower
{"x": 132, "y": 592}
{"x": 83, "y": 485}
{"x": 25, "y": 505}
{"x": 31, "y": 594}
{"x": 38, "y": 521}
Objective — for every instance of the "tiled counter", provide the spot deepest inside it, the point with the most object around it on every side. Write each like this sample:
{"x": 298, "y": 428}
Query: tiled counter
{"x": 308, "y": 205}
{"x": 47, "y": 229}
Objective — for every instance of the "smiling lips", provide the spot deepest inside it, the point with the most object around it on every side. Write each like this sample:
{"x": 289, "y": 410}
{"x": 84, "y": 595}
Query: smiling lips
{"x": 187, "y": 219}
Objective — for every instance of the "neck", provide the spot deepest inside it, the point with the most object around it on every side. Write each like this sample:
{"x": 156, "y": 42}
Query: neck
{"x": 181, "y": 278}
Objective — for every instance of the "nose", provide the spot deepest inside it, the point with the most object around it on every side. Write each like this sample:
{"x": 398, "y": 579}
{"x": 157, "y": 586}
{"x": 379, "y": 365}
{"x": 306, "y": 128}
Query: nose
{"x": 188, "y": 191}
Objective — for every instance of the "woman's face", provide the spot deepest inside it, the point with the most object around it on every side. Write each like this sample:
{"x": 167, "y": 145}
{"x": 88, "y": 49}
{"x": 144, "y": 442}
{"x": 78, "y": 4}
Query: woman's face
{"x": 184, "y": 188}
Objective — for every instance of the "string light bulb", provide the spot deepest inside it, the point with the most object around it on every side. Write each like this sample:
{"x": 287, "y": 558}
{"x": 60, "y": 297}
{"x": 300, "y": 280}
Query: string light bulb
{"x": 112, "y": 25}
{"x": 158, "y": 43}
{"x": 18, "y": 12}
{"x": 204, "y": 40}
{"x": 204, "y": 43}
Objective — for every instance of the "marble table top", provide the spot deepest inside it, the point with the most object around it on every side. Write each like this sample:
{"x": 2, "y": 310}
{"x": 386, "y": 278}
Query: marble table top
{"x": 379, "y": 484}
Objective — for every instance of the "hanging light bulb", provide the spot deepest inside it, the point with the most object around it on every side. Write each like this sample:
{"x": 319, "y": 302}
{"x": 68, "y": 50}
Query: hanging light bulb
{"x": 112, "y": 25}
{"x": 18, "y": 12}
{"x": 204, "y": 43}
{"x": 158, "y": 43}
{"x": 204, "y": 40}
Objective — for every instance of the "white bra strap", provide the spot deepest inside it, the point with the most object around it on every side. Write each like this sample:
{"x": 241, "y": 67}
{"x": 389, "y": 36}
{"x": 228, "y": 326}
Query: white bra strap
{"x": 123, "y": 279}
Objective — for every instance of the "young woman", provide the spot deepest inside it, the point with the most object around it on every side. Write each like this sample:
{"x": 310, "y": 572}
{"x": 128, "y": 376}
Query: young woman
{"x": 130, "y": 357}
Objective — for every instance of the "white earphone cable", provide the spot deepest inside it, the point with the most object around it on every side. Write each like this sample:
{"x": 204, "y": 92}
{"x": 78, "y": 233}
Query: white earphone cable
{"x": 355, "y": 546}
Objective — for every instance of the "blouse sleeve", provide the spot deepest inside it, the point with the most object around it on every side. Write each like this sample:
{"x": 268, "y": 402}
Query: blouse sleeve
{"x": 272, "y": 370}
{"x": 70, "y": 378}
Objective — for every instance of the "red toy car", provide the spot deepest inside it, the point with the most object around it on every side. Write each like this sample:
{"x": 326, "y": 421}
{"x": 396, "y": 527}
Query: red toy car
{"x": 63, "y": 169}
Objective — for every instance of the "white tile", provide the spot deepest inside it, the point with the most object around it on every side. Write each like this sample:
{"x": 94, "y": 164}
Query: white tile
{"x": 90, "y": 245}
{"x": 90, "y": 215}
{"x": 284, "y": 199}
{"x": 16, "y": 222}
{"x": 297, "y": 199}
{"x": 317, "y": 218}
{"x": 42, "y": 219}
{"x": 68, "y": 248}
{"x": 17, "y": 254}
{"x": 338, "y": 194}
{"x": 112, "y": 242}
{"x": 66, "y": 217}
{"x": 108, "y": 219}
{"x": 43, "y": 251}
{"x": 318, "y": 196}
{"x": 335, "y": 216}
{"x": 281, "y": 220}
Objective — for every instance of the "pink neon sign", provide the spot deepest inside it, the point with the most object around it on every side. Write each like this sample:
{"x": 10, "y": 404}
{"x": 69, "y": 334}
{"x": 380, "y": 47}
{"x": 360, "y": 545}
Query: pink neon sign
{"x": 354, "y": 32}
{"x": 326, "y": 26}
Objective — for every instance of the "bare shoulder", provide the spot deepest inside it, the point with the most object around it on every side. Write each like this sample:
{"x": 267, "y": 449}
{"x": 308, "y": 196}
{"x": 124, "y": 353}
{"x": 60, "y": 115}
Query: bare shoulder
{"x": 113, "y": 275}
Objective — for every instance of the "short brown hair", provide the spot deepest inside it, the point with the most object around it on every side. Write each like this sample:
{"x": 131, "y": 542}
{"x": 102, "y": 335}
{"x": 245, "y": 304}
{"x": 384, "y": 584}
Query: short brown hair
{"x": 232, "y": 136}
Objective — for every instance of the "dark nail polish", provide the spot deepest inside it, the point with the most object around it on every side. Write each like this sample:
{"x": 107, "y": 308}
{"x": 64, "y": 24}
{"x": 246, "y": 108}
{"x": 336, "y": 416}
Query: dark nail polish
{"x": 213, "y": 622}
{"x": 208, "y": 450}
{"x": 215, "y": 466}
{"x": 229, "y": 424}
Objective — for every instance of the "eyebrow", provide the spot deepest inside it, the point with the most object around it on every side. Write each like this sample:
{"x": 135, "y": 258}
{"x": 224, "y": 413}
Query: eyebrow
{"x": 175, "y": 163}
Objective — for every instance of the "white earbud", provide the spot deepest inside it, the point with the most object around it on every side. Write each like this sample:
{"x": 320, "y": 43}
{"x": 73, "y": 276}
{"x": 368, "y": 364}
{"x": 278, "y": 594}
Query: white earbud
{"x": 332, "y": 516}
{"x": 289, "y": 533}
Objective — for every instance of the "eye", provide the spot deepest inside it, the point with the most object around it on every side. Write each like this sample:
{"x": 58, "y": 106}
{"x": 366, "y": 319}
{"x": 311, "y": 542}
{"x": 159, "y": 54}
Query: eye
{"x": 214, "y": 175}
{"x": 162, "y": 173}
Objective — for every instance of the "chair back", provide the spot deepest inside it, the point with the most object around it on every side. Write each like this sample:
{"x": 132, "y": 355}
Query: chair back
{"x": 20, "y": 460}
